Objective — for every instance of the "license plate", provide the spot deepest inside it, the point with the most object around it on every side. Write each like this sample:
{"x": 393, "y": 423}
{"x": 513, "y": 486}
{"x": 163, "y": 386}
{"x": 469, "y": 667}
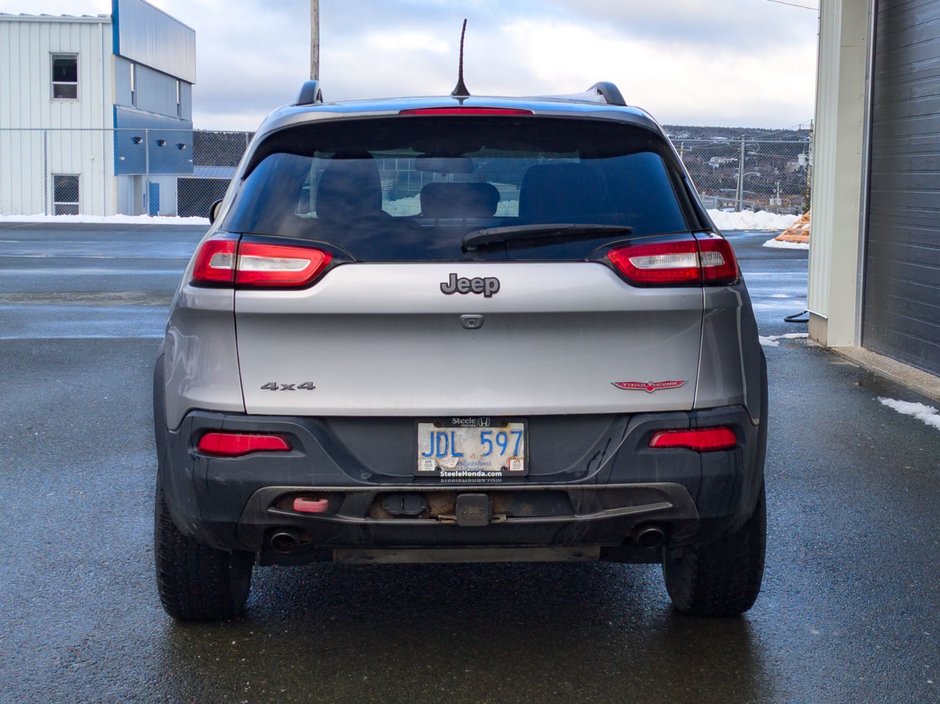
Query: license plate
{"x": 471, "y": 448}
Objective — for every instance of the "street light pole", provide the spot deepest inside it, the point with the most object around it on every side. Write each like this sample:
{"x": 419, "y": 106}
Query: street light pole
{"x": 314, "y": 39}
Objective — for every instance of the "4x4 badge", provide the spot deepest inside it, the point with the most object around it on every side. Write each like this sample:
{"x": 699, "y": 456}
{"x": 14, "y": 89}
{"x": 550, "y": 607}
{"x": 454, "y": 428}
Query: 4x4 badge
{"x": 648, "y": 386}
{"x": 296, "y": 386}
{"x": 487, "y": 286}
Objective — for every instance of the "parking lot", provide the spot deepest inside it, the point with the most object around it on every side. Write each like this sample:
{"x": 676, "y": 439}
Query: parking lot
{"x": 850, "y": 610}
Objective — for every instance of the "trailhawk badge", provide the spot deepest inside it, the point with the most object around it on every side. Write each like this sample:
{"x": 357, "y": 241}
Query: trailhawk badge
{"x": 648, "y": 386}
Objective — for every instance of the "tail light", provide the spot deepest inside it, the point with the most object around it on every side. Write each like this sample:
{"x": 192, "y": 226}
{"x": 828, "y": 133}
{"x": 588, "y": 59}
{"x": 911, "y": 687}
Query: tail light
{"x": 215, "y": 261}
{"x": 700, "y": 440}
{"x": 220, "y": 444}
{"x": 705, "y": 260}
{"x": 224, "y": 260}
{"x": 716, "y": 256}
{"x": 279, "y": 265}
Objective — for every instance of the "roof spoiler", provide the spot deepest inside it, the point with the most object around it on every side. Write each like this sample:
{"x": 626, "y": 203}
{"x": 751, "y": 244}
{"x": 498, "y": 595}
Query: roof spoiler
{"x": 310, "y": 93}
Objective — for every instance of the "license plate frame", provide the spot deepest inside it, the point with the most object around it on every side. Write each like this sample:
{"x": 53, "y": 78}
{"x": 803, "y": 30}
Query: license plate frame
{"x": 467, "y": 434}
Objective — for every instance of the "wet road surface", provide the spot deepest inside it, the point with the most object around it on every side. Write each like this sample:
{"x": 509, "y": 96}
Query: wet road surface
{"x": 850, "y": 610}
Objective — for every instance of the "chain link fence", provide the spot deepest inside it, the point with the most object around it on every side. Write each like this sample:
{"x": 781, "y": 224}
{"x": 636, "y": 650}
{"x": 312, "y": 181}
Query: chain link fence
{"x": 750, "y": 175}
{"x": 182, "y": 172}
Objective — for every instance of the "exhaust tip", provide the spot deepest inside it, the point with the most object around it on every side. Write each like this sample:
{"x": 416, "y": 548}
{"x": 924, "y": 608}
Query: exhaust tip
{"x": 285, "y": 541}
{"x": 649, "y": 537}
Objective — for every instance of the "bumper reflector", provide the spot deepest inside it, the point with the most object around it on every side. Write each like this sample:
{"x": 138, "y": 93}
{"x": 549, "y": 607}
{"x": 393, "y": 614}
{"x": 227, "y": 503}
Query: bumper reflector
{"x": 700, "y": 440}
{"x": 305, "y": 505}
{"x": 238, "y": 444}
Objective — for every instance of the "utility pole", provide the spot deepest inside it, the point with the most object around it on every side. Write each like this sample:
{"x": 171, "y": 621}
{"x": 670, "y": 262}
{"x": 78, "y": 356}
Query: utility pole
{"x": 314, "y": 39}
{"x": 808, "y": 193}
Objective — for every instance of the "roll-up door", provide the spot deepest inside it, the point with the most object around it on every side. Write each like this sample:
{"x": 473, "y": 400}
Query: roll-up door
{"x": 901, "y": 307}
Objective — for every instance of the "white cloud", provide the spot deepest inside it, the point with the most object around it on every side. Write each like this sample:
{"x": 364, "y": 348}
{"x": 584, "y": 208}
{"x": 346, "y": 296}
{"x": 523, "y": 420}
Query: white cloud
{"x": 406, "y": 41}
{"x": 57, "y": 7}
{"x": 738, "y": 62}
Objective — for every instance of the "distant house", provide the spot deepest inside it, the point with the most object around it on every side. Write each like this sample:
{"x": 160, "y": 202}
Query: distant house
{"x": 95, "y": 111}
{"x": 717, "y": 161}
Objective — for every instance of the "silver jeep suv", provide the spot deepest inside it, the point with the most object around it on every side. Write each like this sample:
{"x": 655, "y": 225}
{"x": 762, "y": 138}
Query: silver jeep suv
{"x": 460, "y": 329}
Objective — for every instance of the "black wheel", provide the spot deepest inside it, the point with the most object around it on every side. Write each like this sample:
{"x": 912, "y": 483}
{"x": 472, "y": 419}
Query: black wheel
{"x": 722, "y": 578}
{"x": 196, "y": 582}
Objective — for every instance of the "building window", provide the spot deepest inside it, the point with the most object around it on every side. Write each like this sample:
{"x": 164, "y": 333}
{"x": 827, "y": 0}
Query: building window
{"x": 134, "y": 85}
{"x": 179, "y": 101}
{"x": 65, "y": 194}
{"x": 65, "y": 76}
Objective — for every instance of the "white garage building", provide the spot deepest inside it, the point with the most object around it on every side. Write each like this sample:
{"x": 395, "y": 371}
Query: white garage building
{"x": 95, "y": 111}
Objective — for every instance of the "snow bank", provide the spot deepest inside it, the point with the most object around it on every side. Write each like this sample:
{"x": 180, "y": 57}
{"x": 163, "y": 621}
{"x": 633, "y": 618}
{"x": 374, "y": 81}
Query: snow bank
{"x": 774, "y": 340}
{"x": 411, "y": 205}
{"x": 107, "y": 219}
{"x": 777, "y": 244}
{"x": 747, "y": 220}
{"x": 403, "y": 206}
{"x": 927, "y": 414}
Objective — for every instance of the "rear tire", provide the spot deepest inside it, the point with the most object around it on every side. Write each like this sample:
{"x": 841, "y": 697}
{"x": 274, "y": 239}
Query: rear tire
{"x": 722, "y": 578}
{"x": 196, "y": 582}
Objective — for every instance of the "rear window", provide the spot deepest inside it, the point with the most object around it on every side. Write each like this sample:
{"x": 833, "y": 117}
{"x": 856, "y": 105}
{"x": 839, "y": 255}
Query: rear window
{"x": 410, "y": 188}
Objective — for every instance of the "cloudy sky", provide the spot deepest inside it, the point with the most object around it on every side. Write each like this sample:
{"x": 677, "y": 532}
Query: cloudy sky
{"x": 748, "y": 63}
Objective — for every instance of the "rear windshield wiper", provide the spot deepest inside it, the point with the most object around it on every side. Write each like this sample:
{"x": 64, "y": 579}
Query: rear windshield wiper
{"x": 531, "y": 235}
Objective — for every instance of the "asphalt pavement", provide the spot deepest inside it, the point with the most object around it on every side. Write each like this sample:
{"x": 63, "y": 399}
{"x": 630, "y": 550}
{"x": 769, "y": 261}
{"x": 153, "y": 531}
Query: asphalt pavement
{"x": 850, "y": 610}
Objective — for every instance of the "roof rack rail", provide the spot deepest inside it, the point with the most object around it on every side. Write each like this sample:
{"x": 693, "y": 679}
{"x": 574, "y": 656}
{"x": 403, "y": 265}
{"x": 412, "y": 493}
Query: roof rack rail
{"x": 601, "y": 92}
{"x": 310, "y": 93}
{"x": 611, "y": 93}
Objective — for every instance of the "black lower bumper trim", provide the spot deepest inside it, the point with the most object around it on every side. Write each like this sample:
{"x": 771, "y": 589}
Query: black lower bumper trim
{"x": 354, "y": 517}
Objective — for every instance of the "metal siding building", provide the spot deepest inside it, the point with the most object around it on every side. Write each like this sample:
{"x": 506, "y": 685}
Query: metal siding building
{"x": 71, "y": 124}
{"x": 874, "y": 285}
{"x": 27, "y": 45}
{"x": 149, "y": 36}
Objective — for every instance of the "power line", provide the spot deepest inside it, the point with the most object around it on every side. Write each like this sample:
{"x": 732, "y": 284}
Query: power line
{"x": 793, "y": 4}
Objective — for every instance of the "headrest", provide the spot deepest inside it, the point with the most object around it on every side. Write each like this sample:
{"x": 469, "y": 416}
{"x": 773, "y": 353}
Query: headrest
{"x": 349, "y": 188}
{"x": 459, "y": 200}
{"x": 559, "y": 193}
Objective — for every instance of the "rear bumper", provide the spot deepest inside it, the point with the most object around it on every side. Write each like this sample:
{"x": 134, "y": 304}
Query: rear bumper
{"x": 601, "y": 501}
{"x": 573, "y": 516}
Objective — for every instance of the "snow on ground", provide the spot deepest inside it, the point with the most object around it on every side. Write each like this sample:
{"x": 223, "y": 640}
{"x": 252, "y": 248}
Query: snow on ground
{"x": 927, "y": 414}
{"x": 107, "y": 219}
{"x": 777, "y": 244}
{"x": 747, "y": 220}
{"x": 403, "y": 206}
{"x": 774, "y": 340}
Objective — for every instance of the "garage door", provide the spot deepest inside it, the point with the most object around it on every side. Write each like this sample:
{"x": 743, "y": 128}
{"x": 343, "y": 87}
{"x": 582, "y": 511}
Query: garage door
{"x": 901, "y": 309}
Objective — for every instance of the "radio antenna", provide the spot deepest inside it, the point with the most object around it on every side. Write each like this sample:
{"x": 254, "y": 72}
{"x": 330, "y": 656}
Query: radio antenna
{"x": 460, "y": 90}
